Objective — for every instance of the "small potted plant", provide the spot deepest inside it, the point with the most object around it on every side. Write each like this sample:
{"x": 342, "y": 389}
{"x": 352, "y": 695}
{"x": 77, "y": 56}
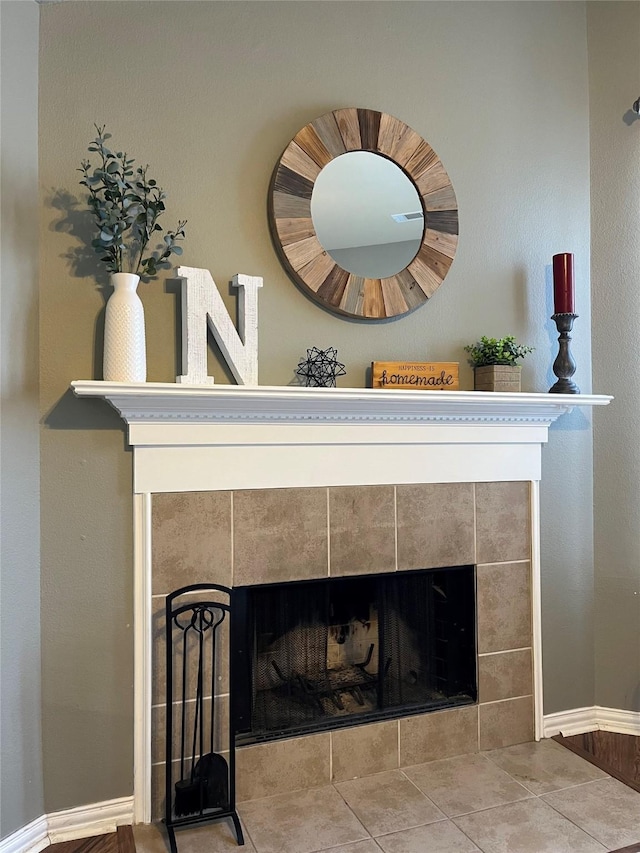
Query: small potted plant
{"x": 126, "y": 205}
{"x": 494, "y": 362}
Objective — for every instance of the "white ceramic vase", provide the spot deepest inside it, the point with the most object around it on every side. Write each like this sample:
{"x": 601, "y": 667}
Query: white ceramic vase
{"x": 125, "y": 354}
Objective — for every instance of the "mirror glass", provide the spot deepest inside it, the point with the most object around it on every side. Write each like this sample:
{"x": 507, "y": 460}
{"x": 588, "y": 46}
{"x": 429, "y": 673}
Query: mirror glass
{"x": 367, "y": 214}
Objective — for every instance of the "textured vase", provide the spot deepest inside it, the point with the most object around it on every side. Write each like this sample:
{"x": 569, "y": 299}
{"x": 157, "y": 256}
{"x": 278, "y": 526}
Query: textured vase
{"x": 125, "y": 354}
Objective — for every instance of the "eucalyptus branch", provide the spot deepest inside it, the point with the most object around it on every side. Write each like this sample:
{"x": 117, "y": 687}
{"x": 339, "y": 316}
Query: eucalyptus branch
{"x": 126, "y": 206}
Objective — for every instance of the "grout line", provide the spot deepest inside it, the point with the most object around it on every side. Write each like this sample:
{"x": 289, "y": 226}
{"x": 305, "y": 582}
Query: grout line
{"x": 330, "y": 757}
{"x": 504, "y": 652}
{"x": 328, "y": 535}
{"x": 232, "y": 543}
{"x": 395, "y": 524}
{"x": 399, "y": 759}
{"x": 579, "y": 784}
{"x": 460, "y": 829}
{"x": 368, "y": 834}
{"x": 504, "y": 562}
{"x": 566, "y": 817}
{"x": 475, "y": 526}
{"x": 510, "y": 699}
{"x": 413, "y": 826}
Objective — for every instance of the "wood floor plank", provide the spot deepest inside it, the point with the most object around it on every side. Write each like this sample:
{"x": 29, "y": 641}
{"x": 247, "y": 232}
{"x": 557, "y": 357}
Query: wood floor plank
{"x": 616, "y": 754}
{"x": 121, "y": 841}
{"x": 126, "y": 841}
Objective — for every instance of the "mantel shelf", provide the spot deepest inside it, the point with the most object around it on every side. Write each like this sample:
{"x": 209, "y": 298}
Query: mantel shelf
{"x": 163, "y": 403}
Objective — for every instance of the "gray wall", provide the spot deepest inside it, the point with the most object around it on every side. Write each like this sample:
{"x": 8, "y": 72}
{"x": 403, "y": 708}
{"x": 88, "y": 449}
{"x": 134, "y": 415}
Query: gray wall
{"x": 377, "y": 260}
{"x": 20, "y": 739}
{"x": 210, "y": 94}
{"x": 614, "y": 52}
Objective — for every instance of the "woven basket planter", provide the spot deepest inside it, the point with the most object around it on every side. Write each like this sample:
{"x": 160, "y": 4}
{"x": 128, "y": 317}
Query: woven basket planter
{"x": 497, "y": 377}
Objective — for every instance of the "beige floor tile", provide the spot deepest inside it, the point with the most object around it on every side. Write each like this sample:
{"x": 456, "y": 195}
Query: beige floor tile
{"x": 606, "y": 809}
{"x": 441, "y": 837}
{"x": 301, "y": 822}
{"x": 218, "y": 837}
{"x": 545, "y": 766}
{"x": 388, "y": 802}
{"x": 465, "y": 784}
{"x": 530, "y": 826}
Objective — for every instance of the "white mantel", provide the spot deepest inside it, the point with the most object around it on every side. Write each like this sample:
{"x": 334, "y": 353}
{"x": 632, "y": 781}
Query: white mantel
{"x": 201, "y": 438}
{"x": 190, "y": 438}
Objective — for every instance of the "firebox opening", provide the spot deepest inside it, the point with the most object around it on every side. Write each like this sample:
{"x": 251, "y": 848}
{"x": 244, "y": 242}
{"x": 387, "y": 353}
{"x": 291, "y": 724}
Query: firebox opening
{"x": 314, "y": 655}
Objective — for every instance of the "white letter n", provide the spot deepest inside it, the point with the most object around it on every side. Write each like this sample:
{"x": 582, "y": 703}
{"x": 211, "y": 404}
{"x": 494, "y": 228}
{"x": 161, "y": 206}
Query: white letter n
{"x": 202, "y": 305}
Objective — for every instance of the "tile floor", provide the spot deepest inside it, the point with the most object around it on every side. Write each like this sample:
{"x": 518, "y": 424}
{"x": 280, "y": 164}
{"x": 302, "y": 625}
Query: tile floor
{"x": 529, "y": 798}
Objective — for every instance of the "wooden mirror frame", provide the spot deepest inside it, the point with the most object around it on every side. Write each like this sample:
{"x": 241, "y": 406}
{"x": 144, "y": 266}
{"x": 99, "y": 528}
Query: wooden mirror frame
{"x": 294, "y": 235}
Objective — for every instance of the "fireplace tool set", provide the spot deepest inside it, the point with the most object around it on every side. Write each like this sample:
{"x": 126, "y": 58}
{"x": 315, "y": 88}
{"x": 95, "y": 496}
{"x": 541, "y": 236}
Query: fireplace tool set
{"x": 200, "y": 784}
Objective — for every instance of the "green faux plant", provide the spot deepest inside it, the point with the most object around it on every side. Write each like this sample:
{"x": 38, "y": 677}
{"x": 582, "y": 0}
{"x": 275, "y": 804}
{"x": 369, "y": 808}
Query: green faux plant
{"x": 126, "y": 205}
{"x": 496, "y": 351}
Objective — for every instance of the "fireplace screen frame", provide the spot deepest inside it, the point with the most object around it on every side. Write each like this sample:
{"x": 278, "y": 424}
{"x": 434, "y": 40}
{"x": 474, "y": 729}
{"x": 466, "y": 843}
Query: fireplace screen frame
{"x": 245, "y": 651}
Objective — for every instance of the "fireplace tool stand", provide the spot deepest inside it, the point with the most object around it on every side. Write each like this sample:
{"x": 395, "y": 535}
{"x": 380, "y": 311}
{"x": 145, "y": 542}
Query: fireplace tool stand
{"x": 200, "y": 784}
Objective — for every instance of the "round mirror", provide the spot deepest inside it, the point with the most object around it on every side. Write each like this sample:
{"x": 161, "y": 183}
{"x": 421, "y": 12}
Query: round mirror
{"x": 367, "y": 214}
{"x": 363, "y": 214}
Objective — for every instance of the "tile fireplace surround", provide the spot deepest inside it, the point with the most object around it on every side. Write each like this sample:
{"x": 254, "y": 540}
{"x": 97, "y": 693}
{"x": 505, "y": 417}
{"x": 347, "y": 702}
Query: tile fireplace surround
{"x": 238, "y": 485}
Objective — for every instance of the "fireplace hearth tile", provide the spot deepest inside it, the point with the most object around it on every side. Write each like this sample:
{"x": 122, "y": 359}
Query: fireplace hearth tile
{"x": 467, "y": 783}
{"x": 506, "y": 723}
{"x": 530, "y": 826}
{"x": 364, "y": 750}
{"x": 362, "y": 530}
{"x": 279, "y": 535}
{"x": 441, "y": 734}
{"x": 388, "y": 802}
{"x": 505, "y": 675}
{"x": 545, "y": 766}
{"x": 607, "y": 809}
{"x": 503, "y": 522}
{"x": 441, "y": 837}
{"x": 504, "y": 607}
{"x": 435, "y": 525}
{"x": 280, "y": 766}
{"x": 191, "y": 539}
{"x": 301, "y": 822}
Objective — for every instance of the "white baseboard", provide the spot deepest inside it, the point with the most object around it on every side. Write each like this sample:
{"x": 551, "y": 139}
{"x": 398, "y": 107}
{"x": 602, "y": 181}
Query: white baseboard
{"x": 79, "y": 822}
{"x": 33, "y": 837}
{"x": 84, "y": 821}
{"x": 581, "y": 720}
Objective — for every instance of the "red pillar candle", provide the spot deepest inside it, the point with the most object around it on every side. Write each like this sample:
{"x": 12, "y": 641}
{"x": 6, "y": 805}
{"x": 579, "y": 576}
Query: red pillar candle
{"x": 563, "y": 284}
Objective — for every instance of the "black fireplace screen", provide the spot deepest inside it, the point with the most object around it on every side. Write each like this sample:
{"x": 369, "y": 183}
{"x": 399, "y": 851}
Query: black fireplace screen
{"x": 321, "y": 654}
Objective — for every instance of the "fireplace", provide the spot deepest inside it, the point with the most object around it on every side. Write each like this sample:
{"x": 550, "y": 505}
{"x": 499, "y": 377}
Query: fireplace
{"x": 358, "y": 553}
{"x": 430, "y": 457}
{"x": 318, "y": 655}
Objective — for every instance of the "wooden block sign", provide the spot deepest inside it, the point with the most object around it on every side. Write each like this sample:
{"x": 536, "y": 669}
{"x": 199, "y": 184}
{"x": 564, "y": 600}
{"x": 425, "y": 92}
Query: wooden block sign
{"x": 421, "y": 375}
